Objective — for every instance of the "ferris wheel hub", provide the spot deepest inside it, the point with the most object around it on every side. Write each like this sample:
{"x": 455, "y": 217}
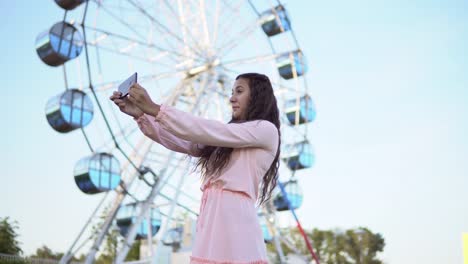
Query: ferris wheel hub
{"x": 204, "y": 68}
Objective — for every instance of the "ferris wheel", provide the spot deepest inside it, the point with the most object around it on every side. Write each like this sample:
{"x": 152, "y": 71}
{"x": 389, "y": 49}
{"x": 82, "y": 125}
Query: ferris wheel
{"x": 187, "y": 54}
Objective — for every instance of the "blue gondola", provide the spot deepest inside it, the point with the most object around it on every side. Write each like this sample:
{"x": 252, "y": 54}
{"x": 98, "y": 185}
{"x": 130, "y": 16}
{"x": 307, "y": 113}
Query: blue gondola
{"x": 69, "y": 110}
{"x": 127, "y": 216}
{"x": 60, "y": 44}
{"x": 304, "y": 113}
{"x": 299, "y": 156}
{"x": 294, "y": 192}
{"x": 267, "y": 237}
{"x": 289, "y": 62}
{"x": 173, "y": 237}
{"x": 97, "y": 173}
{"x": 275, "y": 21}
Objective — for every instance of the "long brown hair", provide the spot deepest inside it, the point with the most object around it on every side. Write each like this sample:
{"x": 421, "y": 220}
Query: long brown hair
{"x": 262, "y": 106}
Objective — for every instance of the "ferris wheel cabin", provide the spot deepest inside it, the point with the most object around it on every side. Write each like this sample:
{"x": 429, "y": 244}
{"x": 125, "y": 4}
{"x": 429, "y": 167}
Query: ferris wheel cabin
{"x": 69, "y": 4}
{"x": 301, "y": 113}
{"x": 267, "y": 237}
{"x": 295, "y": 196}
{"x": 173, "y": 237}
{"x": 275, "y": 21}
{"x": 60, "y": 44}
{"x": 69, "y": 110}
{"x": 292, "y": 64}
{"x": 97, "y": 173}
{"x": 128, "y": 214}
{"x": 300, "y": 156}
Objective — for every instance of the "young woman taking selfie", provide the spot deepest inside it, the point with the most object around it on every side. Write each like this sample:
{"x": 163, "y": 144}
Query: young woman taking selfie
{"x": 238, "y": 162}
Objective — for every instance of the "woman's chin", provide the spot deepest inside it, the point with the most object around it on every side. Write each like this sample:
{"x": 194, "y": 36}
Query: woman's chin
{"x": 235, "y": 117}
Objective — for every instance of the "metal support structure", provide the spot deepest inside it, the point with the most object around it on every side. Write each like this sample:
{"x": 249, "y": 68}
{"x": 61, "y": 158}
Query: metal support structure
{"x": 121, "y": 193}
{"x": 299, "y": 226}
{"x": 67, "y": 256}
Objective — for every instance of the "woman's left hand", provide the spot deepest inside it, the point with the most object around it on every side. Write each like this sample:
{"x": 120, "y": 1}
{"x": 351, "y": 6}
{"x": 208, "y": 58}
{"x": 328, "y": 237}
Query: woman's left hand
{"x": 140, "y": 97}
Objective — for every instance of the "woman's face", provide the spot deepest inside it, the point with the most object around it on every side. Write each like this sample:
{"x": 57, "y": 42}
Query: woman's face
{"x": 240, "y": 99}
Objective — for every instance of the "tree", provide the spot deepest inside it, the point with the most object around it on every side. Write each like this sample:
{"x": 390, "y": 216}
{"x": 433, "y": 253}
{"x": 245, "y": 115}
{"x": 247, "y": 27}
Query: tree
{"x": 46, "y": 253}
{"x": 8, "y": 237}
{"x": 356, "y": 246}
{"x": 362, "y": 246}
{"x": 112, "y": 244}
{"x": 134, "y": 252}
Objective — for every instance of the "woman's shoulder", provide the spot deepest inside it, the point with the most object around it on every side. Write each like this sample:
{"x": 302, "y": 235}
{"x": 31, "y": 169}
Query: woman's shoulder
{"x": 265, "y": 130}
{"x": 263, "y": 123}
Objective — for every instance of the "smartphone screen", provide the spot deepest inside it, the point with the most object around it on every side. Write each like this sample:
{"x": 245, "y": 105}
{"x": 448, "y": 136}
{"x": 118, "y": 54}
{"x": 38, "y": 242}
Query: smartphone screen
{"x": 124, "y": 87}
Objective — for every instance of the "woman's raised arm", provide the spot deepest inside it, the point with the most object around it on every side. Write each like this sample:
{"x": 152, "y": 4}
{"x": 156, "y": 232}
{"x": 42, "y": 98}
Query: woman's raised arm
{"x": 154, "y": 131}
{"x": 258, "y": 133}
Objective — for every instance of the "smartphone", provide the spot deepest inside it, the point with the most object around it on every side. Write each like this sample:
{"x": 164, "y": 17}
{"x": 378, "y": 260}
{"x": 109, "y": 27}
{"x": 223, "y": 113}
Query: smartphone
{"x": 125, "y": 86}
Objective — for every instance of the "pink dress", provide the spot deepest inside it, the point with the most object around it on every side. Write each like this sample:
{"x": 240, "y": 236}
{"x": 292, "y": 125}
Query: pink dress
{"x": 228, "y": 230}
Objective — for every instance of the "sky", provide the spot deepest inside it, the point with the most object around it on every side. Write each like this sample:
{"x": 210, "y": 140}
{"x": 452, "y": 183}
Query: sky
{"x": 390, "y": 86}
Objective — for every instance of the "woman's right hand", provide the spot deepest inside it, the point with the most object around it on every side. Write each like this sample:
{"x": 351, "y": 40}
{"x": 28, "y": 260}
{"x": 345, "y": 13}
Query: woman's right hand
{"x": 126, "y": 106}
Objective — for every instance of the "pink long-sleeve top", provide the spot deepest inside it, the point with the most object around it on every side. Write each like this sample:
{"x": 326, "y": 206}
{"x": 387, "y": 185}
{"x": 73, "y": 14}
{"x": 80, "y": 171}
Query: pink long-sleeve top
{"x": 255, "y": 144}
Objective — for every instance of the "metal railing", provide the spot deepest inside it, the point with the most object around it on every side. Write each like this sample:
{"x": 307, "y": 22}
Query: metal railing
{"x": 6, "y": 258}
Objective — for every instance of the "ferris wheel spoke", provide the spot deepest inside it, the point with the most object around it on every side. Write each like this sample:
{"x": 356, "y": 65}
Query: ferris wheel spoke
{"x": 181, "y": 191}
{"x": 233, "y": 9}
{"x": 280, "y": 88}
{"x": 235, "y": 41}
{"x": 120, "y": 7}
{"x": 206, "y": 33}
{"x": 141, "y": 37}
{"x": 187, "y": 28}
{"x": 162, "y": 27}
{"x": 123, "y": 52}
{"x": 120, "y": 20}
{"x": 124, "y": 133}
{"x": 217, "y": 12}
{"x": 229, "y": 6}
{"x": 228, "y": 26}
{"x": 101, "y": 87}
{"x": 178, "y": 204}
{"x": 173, "y": 218}
{"x": 180, "y": 19}
{"x": 160, "y": 156}
{"x": 105, "y": 34}
{"x": 132, "y": 28}
{"x": 254, "y": 59}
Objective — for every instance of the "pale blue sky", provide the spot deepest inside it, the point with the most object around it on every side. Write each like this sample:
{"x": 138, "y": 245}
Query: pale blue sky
{"x": 389, "y": 79}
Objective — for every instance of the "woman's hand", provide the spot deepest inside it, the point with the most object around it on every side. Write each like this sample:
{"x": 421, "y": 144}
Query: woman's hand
{"x": 125, "y": 105}
{"x": 139, "y": 97}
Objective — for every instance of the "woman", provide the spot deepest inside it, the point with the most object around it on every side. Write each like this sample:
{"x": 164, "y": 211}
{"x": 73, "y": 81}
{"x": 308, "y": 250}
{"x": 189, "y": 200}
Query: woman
{"x": 236, "y": 160}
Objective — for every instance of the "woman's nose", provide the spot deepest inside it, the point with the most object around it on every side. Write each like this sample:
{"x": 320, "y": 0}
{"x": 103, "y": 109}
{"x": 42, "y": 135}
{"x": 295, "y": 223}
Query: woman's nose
{"x": 231, "y": 99}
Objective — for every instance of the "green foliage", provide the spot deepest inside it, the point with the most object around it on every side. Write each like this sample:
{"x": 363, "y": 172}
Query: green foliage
{"x": 134, "y": 253}
{"x": 353, "y": 246}
{"x": 112, "y": 244}
{"x": 8, "y": 237}
{"x": 45, "y": 252}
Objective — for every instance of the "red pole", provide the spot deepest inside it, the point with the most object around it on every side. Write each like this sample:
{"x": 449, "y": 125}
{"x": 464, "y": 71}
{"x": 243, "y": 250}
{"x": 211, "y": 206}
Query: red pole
{"x": 309, "y": 246}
